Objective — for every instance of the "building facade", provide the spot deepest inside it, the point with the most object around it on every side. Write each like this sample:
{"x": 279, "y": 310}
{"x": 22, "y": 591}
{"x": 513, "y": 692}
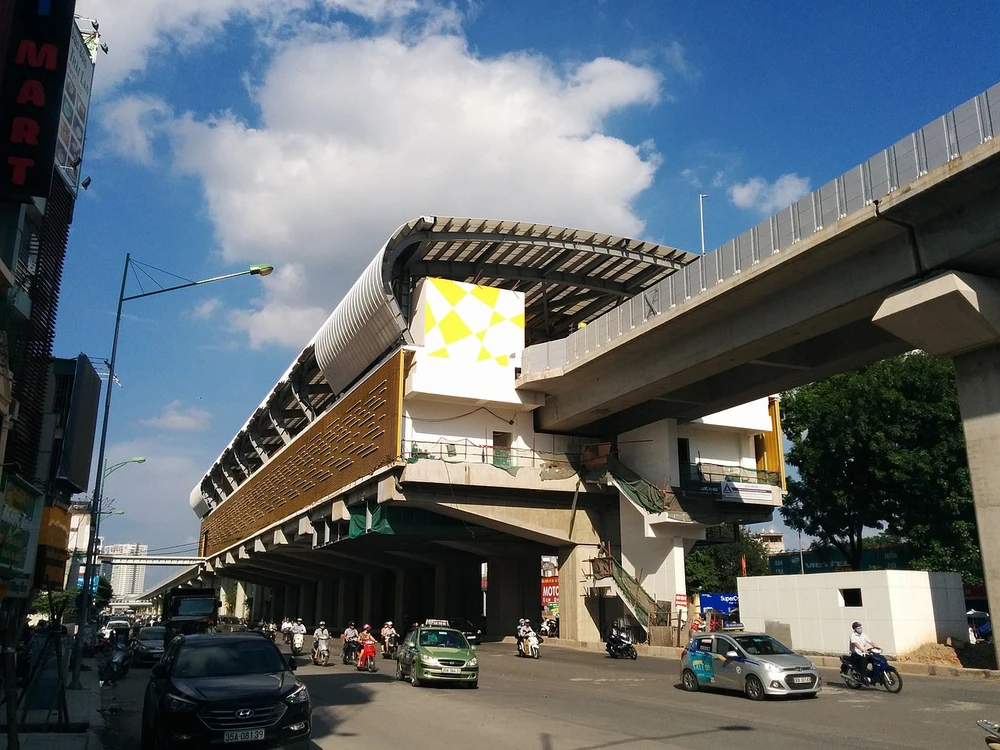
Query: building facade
{"x": 127, "y": 581}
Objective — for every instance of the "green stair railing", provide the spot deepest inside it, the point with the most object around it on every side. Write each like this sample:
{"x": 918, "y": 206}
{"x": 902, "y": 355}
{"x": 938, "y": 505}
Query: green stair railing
{"x": 645, "y": 494}
{"x": 645, "y": 608}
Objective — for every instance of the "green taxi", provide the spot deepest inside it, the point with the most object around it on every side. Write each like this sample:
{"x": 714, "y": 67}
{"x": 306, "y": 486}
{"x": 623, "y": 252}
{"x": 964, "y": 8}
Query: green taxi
{"x": 431, "y": 653}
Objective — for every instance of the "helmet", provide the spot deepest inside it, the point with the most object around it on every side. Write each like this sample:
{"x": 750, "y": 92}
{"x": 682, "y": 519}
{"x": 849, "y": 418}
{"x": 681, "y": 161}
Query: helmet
{"x": 367, "y": 627}
{"x": 299, "y": 620}
{"x": 389, "y": 623}
{"x": 855, "y": 625}
{"x": 322, "y": 623}
{"x": 350, "y": 624}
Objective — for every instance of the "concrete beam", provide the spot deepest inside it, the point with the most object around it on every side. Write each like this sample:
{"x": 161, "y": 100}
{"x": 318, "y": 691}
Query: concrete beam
{"x": 948, "y": 315}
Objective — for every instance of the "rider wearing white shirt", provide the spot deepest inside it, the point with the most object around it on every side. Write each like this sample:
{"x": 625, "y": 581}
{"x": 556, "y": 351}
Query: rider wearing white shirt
{"x": 861, "y": 644}
{"x": 320, "y": 638}
{"x": 298, "y": 628}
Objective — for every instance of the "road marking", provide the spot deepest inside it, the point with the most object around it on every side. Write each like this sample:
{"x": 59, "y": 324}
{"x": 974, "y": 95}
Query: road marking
{"x": 607, "y": 679}
{"x": 956, "y": 706}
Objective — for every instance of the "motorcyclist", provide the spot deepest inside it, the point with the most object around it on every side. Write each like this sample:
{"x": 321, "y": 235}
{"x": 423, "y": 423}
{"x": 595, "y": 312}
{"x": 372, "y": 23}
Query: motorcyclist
{"x": 387, "y": 632}
{"x": 298, "y": 628}
{"x": 350, "y": 637}
{"x": 519, "y": 634}
{"x": 861, "y": 645}
{"x": 286, "y": 630}
{"x": 366, "y": 637}
{"x": 321, "y": 638}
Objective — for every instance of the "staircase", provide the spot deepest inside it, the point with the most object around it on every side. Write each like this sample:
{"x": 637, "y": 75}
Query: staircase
{"x": 638, "y": 601}
{"x": 645, "y": 495}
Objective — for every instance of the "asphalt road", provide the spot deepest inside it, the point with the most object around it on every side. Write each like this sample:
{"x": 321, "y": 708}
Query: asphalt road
{"x": 573, "y": 700}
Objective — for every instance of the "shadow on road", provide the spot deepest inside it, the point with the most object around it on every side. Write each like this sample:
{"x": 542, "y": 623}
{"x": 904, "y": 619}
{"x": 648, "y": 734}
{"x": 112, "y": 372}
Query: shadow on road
{"x": 547, "y": 739}
{"x": 336, "y": 691}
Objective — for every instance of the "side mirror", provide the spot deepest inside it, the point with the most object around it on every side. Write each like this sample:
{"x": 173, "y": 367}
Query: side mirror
{"x": 732, "y": 655}
{"x": 159, "y": 670}
{"x": 292, "y": 664}
{"x": 473, "y": 646}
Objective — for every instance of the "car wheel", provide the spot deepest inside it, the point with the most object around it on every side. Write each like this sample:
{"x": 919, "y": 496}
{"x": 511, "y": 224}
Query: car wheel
{"x": 414, "y": 680}
{"x": 755, "y": 688}
{"x": 689, "y": 681}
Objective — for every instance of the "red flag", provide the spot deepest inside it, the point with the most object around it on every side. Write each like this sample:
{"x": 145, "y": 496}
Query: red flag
{"x": 743, "y": 564}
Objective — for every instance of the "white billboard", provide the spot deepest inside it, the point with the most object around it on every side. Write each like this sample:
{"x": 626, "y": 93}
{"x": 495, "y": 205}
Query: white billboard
{"x": 75, "y": 108}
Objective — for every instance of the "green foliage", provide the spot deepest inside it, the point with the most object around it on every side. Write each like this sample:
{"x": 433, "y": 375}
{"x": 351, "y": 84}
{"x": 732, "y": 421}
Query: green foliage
{"x": 40, "y": 604}
{"x": 882, "y": 448}
{"x": 103, "y": 595}
{"x": 715, "y": 567}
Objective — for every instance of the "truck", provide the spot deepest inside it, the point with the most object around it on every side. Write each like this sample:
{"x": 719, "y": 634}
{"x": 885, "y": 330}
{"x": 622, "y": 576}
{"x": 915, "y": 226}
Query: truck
{"x": 189, "y": 610}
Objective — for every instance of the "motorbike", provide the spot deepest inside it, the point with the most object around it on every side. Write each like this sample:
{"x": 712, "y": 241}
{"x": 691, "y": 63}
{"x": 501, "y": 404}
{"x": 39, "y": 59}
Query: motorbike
{"x": 116, "y": 667}
{"x": 993, "y": 730}
{"x": 392, "y": 647}
{"x": 880, "y": 672}
{"x": 272, "y": 634}
{"x": 367, "y": 658}
{"x": 350, "y": 652}
{"x": 286, "y": 636}
{"x": 530, "y": 644}
{"x": 297, "y": 642}
{"x": 620, "y": 646}
{"x": 550, "y": 628}
{"x": 321, "y": 654}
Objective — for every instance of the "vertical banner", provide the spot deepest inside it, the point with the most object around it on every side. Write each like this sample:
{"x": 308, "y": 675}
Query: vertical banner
{"x": 31, "y": 95}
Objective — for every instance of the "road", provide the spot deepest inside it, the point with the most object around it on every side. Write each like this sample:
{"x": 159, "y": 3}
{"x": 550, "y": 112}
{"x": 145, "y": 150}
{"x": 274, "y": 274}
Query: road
{"x": 573, "y": 700}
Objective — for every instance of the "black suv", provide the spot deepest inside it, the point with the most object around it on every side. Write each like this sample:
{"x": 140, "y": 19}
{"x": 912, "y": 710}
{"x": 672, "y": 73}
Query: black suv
{"x": 214, "y": 689}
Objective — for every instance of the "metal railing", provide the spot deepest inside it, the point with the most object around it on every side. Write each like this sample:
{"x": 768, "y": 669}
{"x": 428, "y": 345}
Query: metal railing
{"x": 483, "y": 452}
{"x": 935, "y": 144}
{"x": 644, "y": 607}
{"x": 695, "y": 474}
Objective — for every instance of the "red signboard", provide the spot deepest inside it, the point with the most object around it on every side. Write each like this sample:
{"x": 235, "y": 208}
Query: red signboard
{"x": 550, "y": 590}
{"x": 31, "y": 95}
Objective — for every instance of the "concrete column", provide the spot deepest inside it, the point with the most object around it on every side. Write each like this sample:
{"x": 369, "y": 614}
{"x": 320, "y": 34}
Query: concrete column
{"x": 440, "y": 590}
{"x": 319, "y": 611}
{"x": 291, "y": 601}
{"x": 307, "y": 603}
{"x": 979, "y": 401}
{"x": 579, "y": 616}
{"x": 367, "y": 596}
{"x": 514, "y": 590}
{"x": 340, "y": 610}
{"x": 399, "y": 600}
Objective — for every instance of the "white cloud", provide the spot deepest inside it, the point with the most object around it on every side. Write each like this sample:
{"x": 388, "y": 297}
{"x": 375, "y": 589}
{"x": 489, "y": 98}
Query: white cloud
{"x": 432, "y": 128}
{"x": 691, "y": 177}
{"x": 177, "y": 418}
{"x": 205, "y": 310}
{"x": 141, "y": 31}
{"x": 769, "y": 197}
{"x": 131, "y": 124}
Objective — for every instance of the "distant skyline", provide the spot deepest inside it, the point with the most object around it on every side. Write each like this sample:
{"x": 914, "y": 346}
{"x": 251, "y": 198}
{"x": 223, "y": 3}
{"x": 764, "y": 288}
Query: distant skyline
{"x": 303, "y": 132}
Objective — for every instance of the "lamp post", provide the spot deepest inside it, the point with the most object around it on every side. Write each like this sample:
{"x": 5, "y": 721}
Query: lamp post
{"x": 87, "y": 598}
{"x": 701, "y": 213}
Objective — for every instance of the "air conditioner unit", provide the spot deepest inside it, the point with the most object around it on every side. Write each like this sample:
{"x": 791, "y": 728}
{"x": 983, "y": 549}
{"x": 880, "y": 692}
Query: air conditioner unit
{"x": 14, "y": 411}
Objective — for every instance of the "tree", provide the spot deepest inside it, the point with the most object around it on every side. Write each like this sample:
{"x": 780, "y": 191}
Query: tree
{"x": 715, "y": 567}
{"x": 882, "y": 448}
{"x": 103, "y": 594}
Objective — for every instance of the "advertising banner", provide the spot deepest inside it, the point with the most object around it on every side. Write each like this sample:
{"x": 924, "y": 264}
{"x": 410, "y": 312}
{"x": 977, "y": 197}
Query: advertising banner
{"x": 550, "y": 595}
{"x": 31, "y": 95}
{"x": 20, "y": 521}
{"x": 744, "y": 492}
{"x": 75, "y": 108}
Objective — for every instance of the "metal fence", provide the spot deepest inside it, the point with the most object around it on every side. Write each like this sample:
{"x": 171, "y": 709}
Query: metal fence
{"x": 937, "y": 143}
{"x": 473, "y": 451}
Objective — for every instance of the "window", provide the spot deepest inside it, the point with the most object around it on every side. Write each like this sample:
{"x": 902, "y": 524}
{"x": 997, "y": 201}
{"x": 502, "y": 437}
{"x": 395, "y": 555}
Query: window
{"x": 761, "y": 645}
{"x": 227, "y": 659}
{"x": 705, "y": 645}
{"x": 683, "y": 451}
{"x": 724, "y": 646}
{"x": 442, "y": 639}
{"x": 850, "y": 598}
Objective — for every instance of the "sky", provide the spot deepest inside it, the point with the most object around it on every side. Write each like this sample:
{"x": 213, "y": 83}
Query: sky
{"x": 302, "y": 133}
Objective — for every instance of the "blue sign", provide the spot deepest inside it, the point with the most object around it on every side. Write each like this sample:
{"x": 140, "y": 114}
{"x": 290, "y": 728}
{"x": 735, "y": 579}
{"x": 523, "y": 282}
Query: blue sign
{"x": 93, "y": 583}
{"x": 724, "y": 603}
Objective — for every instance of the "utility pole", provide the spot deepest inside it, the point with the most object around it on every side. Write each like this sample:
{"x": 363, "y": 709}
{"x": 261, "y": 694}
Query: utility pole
{"x": 701, "y": 212}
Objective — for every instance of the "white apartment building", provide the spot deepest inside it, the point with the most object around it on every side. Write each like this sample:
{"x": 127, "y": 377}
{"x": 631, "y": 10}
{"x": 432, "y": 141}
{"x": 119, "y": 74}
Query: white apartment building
{"x": 127, "y": 580}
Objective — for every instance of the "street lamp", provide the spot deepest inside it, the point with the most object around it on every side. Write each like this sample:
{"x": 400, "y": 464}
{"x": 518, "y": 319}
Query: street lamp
{"x": 115, "y": 467}
{"x": 87, "y": 599}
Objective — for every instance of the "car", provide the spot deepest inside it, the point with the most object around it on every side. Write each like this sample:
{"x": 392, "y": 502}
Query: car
{"x": 753, "y": 663}
{"x": 221, "y": 689}
{"x": 472, "y": 634}
{"x": 148, "y": 646}
{"x": 437, "y": 654}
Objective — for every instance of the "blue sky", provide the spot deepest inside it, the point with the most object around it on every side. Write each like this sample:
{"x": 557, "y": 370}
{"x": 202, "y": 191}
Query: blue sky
{"x": 303, "y": 132}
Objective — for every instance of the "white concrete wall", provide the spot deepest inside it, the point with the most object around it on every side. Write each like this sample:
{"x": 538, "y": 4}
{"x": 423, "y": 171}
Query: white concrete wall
{"x": 656, "y": 562}
{"x": 651, "y": 452}
{"x": 901, "y": 609}
{"x": 712, "y": 445}
{"x": 752, "y": 417}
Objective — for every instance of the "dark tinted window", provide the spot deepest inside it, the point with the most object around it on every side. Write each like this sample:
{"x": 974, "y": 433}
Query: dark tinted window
{"x": 152, "y": 634}
{"x": 443, "y": 639}
{"x": 194, "y": 607}
{"x": 761, "y": 645}
{"x": 225, "y": 659}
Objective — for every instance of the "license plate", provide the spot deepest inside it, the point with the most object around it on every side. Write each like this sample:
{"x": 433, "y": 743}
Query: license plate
{"x": 244, "y": 735}
{"x": 451, "y": 670}
{"x": 801, "y": 680}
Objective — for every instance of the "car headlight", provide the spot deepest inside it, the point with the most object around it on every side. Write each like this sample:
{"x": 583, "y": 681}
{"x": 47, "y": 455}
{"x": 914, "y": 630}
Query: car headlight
{"x": 299, "y": 695}
{"x": 179, "y": 703}
{"x": 771, "y": 667}
{"x": 473, "y": 662}
{"x": 429, "y": 661}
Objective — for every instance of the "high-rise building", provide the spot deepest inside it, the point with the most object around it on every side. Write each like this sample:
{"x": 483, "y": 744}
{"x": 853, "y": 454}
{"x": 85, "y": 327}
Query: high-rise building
{"x": 127, "y": 580}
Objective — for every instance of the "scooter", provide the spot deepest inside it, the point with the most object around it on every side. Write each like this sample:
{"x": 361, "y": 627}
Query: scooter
{"x": 620, "y": 646}
{"x": 392, "y": 647}
{"x": 881, "y": 672}
{"x": 367, "y": 658}
{"x": 993, "y": 730}
{"x": 298, "y": 640}
{"x": 550, "y": 628}
{"x": 531, "y": 644}
{"x": 116, "y": 667}
{"x": 350, "y": 654}
{"x": 321, "y": 654}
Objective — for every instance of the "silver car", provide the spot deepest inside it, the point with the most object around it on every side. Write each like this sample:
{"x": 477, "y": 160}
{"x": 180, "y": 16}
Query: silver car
{"x": 753, "y": 663}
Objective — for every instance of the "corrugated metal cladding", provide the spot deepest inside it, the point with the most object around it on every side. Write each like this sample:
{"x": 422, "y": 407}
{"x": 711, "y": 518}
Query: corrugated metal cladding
{"x": 365, "y": 324}
{"x": 358, "y": 436}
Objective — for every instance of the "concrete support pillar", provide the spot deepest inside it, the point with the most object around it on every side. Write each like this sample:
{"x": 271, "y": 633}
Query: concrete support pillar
{"x": 440, "y": 590}
{"x": 241, "y": 600}
{"x": 340, "y": 610}
{"x": 399, "y": 601}
{"x": 979, "y": 401}
{"x": 579, "y": 615}
{"x": 367, "y": 597}
{"x": 290, "y": 603}
{"x": 514, "y": 590}
{"x": 319, "y": 611}
{"x": 307, "y": 603}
